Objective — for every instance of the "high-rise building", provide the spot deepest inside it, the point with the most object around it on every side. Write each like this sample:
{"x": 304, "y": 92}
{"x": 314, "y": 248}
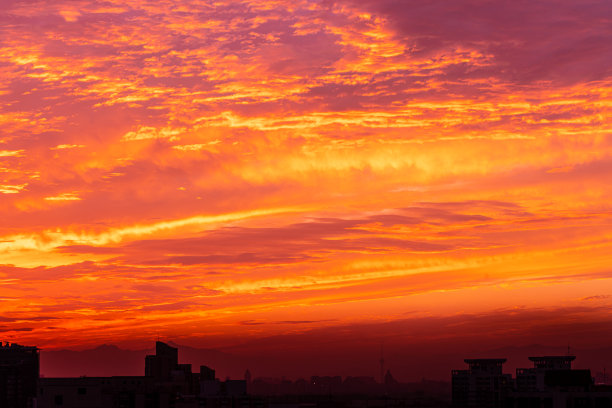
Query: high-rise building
{"x": 552, "y": 383}
{"x": 161, "y": 365}
{"x": 544, "y": 369}
{"x": 19, "y": 372}
{"x": 483, "y": 385}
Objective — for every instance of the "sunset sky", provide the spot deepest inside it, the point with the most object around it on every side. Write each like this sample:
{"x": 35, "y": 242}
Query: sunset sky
{"x": 219, "y": 172}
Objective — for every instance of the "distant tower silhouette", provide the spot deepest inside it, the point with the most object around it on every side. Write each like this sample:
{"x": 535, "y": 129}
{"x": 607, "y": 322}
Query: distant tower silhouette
{"x": 389, "y": 380}
{"x": 382, "y": 366}
{"x": 247, "y": 376}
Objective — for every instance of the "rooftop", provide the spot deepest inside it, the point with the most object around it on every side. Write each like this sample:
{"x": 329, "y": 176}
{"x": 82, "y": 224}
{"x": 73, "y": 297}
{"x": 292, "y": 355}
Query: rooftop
{"x": 485, "y": 360}
{"x": 15, "y": 346}
{"x": 553, "y": 358}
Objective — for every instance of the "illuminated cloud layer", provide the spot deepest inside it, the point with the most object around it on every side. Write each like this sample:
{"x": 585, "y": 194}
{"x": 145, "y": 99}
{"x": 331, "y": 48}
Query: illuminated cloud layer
{"x": 214, "y": 170}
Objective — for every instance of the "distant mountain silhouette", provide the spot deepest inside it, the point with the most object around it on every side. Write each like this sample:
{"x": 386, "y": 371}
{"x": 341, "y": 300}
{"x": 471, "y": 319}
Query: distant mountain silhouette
{"x": 109, "y": 360}
{"x": 407, "y": 364}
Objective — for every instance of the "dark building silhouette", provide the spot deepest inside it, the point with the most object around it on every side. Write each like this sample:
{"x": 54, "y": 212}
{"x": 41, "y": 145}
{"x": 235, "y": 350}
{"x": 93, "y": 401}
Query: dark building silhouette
{"x": 168, "y": 384}
{"x": 550, "y": 383}
{"x": 325, "y": 384}
{"x": 544, "y": 369}
{"x": 207, "y": 373}
{"x": 389, "y": 380}
{"x": 353, "y": 392}
{"x": 19, "y": 372}
{"x": 482, "y": 385}
{"x": 162, "y": 363}
{"x": 100, "y": 392}
{"x": 603, "y": 378}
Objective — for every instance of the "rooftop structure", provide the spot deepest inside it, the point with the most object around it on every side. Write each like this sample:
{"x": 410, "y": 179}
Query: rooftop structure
{"x": 15, "y": 346}
{"x": 553, "y": 362}
{"x": 489, "y": 365}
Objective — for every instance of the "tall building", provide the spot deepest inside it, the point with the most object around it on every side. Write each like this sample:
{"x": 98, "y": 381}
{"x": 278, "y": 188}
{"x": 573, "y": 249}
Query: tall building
{"x": 162, "y": 363}
{"x": 19, "y": 372}
{"x": 482, "y": 385}
{"x": 552, "y": 383}
{"x": 539, "y": 377}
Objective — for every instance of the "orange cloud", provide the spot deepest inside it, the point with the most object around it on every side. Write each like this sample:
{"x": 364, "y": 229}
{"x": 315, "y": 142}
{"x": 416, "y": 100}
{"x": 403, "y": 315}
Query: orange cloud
{"x": 192, "y": 165}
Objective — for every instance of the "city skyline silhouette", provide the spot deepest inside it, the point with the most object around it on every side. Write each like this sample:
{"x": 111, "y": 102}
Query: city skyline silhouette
{"x": 409, "y": 366}
{"x": 168, "y": 381}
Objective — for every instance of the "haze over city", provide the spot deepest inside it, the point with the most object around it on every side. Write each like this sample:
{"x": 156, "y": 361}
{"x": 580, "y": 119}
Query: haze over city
{"x": 306, "y": 182}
